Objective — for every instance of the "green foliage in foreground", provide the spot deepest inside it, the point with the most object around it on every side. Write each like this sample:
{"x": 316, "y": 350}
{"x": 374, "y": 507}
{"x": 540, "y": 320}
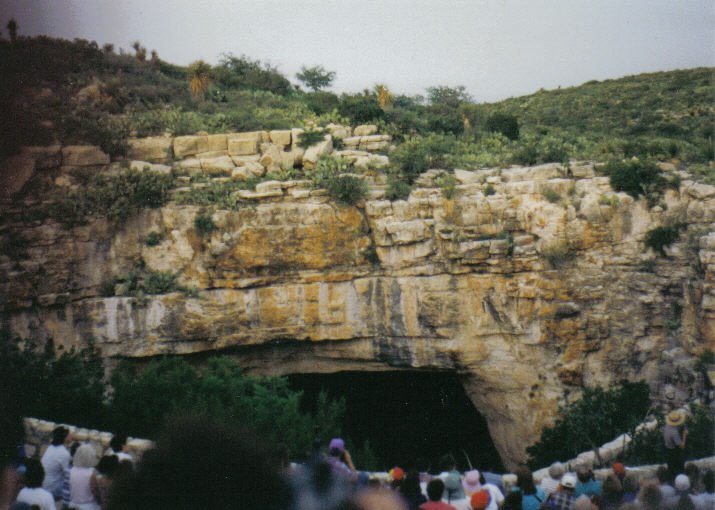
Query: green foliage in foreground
{"x": 114, "y": 196}
{"x": 597, "y": 417}
{"x": 637, "y": 178}
{"x": 330, "y": 174}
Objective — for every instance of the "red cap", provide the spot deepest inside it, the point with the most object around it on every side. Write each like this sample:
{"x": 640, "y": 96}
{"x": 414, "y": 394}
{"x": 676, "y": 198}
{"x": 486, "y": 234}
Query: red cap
{"x": 619, "y": 469}
{"x": 480, "y": 500}
{"x": 397, "y": 473}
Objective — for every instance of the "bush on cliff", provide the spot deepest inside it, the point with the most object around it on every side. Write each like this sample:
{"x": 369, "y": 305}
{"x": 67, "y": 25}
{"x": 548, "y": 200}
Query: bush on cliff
{"x": 597, "y": 417}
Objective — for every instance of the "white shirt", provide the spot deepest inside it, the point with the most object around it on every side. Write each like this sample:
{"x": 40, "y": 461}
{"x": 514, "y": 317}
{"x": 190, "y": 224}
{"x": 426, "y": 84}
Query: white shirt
{"x": 56, "y": 461}
{"x": 36, "y": 496}
{"x": 496, "y": 498}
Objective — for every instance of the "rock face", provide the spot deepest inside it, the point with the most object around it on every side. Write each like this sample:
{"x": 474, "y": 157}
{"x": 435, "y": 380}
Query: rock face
{"x": 527, "y": 299}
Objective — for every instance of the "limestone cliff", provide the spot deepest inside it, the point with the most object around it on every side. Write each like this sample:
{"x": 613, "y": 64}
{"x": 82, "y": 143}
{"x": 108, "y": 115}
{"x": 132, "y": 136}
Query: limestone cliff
{"x": 526, "y": 298}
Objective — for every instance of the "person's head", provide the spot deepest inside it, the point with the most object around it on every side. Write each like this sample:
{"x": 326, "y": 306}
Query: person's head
{"x": 611, "y": 489}
{"x": 650, "y": 496}
{"x": 34, "y": 473}
{"x": 584, "y": 473}
{"x": 630, "y": 482}
{"x": 685, "y": 503}
{"x": 512, "y": 501}
{"x": 73, "y": 448}
{"x": 59, "y": 435}
{"x": 568, "y": 482}
{"x": 376, "y": 499}
{"x": 682, "y": 483}
{"x": 709, "y": 481}
{"x": 693, "y": 473}
{"x": 525, "y": 480}
{"x": 556, "y": 470}
{"x": 85, "y": 456}
{"x": 446, "y": 462}
{"x": 196, "y": 460}
{"x": 435, "y": 488}
{"x": 479, "y": 500}
{"x": 471, "y": 481}
{"x": 410, "y": 486}
{"x": 582, "y": 502}
{"x": 108, "y": 465}
{"x": 663, "y": 474}
{"x": 118, "y": 442}
{"x": 619, "y": 469}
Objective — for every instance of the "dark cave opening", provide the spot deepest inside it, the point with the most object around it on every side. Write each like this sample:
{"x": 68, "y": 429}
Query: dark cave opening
{"x": 410, "y": 418}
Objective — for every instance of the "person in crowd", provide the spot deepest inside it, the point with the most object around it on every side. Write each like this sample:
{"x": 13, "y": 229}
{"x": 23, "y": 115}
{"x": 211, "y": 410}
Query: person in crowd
{"x": 583, "y": 502}
{"x": 435, "y": 489}
{"x": 496, "y": 496}
{"x": 693, "y": 473}
{"x": 479, "y": 500}
{"x": 665, "y": 482}
{"x": 675, "y": 436}
{"x": 453, "y": 490}
{"x": 199, "y": 464}
{"x": 397, "y": 475}
{"x": 340, "y": 461}
{"x": 83, "y": 479}
{"x": 33, "y": 494}
{"x": 611, "y": 493}
{"x": 375, "y": 499}
{"x": 56, "y": 461}
{"x": 587, "y": 483}
{"x": 66, "y": 479}
{"x": 411, "y": 491}
{"x": 472, "y": 482}
{"x": 650, "y": 497}
{"x": 619, "y": 470}
{"x": 682, "y": 499}
{"x": 563, "y": 498}
{"x": 532, "y": 496}
{"x": 706, "y": 499}
{"x": 118, "y": 446}
{"x": 630, "y": 487}
{"x": 551, "y": 481}
{"x": 106, "y": 471}
{"x": 512, "y": 501}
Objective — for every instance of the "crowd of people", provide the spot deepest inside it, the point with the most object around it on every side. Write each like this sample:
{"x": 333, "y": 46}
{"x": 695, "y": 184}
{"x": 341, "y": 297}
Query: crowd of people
{"x": 198, "y": 464}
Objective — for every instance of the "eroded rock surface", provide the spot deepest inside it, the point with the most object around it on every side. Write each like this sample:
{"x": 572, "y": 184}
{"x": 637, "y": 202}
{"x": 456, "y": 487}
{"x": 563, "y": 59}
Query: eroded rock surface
{"x": 527, "y": 299}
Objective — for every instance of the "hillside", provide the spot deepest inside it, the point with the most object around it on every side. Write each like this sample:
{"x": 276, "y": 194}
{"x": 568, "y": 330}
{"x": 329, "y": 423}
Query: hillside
{"x": 80, "y": 93}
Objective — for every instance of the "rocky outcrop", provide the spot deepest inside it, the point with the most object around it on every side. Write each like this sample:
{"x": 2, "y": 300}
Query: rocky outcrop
{"x": 526, "y": 298}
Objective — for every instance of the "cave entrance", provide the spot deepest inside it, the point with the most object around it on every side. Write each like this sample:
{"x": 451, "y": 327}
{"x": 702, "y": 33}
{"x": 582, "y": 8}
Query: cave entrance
{"x": 410, "y": 418}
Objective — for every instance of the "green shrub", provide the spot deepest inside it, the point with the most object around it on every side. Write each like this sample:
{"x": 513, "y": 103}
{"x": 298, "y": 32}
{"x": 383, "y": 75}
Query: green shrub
{"x": 397, "y": 189}
{"x": 419, "y": 154}
{"x": 551, "y": 195}
{"x": 503, "y": 123}
{"x": 154, "y": 238}
{"x": 637, "y": 178}
{"x": 597, "y": 417}
{"x": 142, "y": 280}
{"x": 322, "y": 102}
{"x": 661, "y": 237}
{"x": 360, "y": 108}
{"x": 221, "y": 195}
{"x": 489, "y": 190}
{"x": 310, "y": 137}
{"x": 116, "y": 196}
{"x": 448, "y": 184}
{"x": 347, "y": 189}
{"x": 204, "y": 224}
{"x": 370, "y": 255}
{"x": 558, "y": 255}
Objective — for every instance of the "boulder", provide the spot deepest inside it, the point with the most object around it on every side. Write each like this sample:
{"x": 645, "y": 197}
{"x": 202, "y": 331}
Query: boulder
{"x": 15, "y": 172}
{"x": 271, "y": 157}
{"x": 222, "y": 165}
{"x": 314, "y": 153}
{"x": 339, "y": 131}
{"x": 242, "y": 146}
{"x": 154, "y": 148}
{"x": 281, "y": 137}
{"x": 365, "y": 130}
{"x": 142, "y": 166}
{"x": 217, "y": 143}
{"x": 373, "y": 161}
{"x": 249, "y": 170}
{"x": 83, "y": 155}
{"x": 190, "y": 145}
{"x": 45, "y": 156}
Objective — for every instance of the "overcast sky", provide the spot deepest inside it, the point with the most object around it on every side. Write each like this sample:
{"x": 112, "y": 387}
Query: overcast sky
{"x": 495, "y": 48}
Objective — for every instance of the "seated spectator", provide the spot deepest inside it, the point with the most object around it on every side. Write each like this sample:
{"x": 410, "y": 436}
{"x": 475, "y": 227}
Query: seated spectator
{"x": 411, "y": 491}
{"x": 551, "y": 481}
{"x": 118, "y": 446}
{"x": 682, "y": 499}
{"x": 611, "y": 493}
{"x": 82, "y": 479}
{"x": 198, "y": 464}
{"x": 479, "y": 500}
{"x": 340, "y": 461}
{"x": 434, "y": 494}
{"x": 472, "y": 482}
{"x": 512, "y": 501}
{"x": 583, "y": 502}
{"x": 586, "y": 484}
{"x": 650, "y": 497}
{"x": 33, "y": 494}
{"x": 106, "y": 471}
{"x": 706, "y": 499}
{"x": 453, "y": 489}
{"x": 56, "y": 461}
{"x": 531, "y": 496}
{"x": 665, "y": 482}
{"x": 630, "y": 487}
{"x": 563, "y": 498}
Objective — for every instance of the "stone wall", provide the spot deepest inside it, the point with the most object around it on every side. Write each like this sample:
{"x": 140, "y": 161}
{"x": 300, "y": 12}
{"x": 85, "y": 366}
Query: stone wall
{"x": 527, "y": 298}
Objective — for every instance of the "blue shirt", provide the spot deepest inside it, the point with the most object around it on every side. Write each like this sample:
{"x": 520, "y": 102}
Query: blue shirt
{"x": 590, "y": 488}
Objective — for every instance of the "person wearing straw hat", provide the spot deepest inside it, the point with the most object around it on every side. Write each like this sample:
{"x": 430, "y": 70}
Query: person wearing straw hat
{"x": 674, "y": 435}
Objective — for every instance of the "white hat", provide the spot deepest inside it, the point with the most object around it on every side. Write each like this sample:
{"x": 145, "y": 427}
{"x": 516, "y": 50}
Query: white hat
{"x": 682, "y": 482}
{"x": 568, "y": 481}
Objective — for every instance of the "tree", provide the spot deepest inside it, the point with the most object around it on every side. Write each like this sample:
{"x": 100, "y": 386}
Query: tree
{"x": 199, "y": 78}
{"x": 505, "y": 124}
{"x": 315, "y": 78}
{"x": 448, "y": 96}
{"x": 12, "y": 29}
{"x": 140, "y": 51}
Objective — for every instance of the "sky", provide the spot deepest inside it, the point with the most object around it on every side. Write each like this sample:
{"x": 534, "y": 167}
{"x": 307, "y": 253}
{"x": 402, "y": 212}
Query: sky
{"x": 495, "y": 48}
